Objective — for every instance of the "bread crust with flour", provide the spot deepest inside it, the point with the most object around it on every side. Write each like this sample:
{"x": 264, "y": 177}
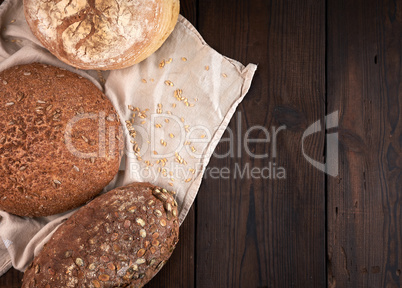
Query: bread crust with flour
{"x": 102, "y": 34}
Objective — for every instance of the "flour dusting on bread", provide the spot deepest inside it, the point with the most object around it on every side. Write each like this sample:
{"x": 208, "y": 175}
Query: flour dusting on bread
{"x": 101, "y": 33}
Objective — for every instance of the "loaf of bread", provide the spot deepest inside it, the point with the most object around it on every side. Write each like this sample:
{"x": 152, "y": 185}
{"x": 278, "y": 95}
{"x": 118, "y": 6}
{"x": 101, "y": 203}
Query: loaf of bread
{"x": 104, "y": 34}
{"x": 58, "y": 140}
{"x": 120, "y": 239}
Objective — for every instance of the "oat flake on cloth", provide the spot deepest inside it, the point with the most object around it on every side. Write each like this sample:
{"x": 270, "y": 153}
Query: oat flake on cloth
{"x": 184, "y": 105}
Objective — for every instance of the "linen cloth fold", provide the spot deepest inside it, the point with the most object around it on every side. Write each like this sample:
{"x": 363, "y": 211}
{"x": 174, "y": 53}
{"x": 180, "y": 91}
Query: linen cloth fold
{"x": 183, "y": 97}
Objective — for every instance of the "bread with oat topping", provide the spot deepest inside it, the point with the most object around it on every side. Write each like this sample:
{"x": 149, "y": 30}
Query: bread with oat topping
{"x": 120, "y": 239}
{"x": 58, "y": 140}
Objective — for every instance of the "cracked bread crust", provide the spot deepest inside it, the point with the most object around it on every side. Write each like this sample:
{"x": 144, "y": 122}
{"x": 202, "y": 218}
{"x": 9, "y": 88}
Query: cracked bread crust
{"x": 57, "y": 140}
{"x": 120, "y": 239}
{"x": 101, "y": 34}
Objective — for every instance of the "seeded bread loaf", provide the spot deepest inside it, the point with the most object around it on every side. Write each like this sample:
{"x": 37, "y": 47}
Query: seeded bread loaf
{"x": 120, "y": 239}
{"x": 58, "y": 146}
{"x": 104, "y": 34}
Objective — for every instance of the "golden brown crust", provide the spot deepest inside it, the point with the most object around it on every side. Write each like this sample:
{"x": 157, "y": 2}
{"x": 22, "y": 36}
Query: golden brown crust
{"x": 104, "y": 34}
{"x": 170, "y": 19}
{"x": 47, "y": 168}
{"x": 120, "y": 239}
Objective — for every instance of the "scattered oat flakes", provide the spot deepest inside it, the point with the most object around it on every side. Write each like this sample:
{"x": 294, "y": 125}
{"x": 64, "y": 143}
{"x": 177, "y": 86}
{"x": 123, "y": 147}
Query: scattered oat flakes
{"x": 148, "y": 163}
{"x": 136, "y": 148}
{"x": 179, "y": 159}
{"x": 169, "y": 83}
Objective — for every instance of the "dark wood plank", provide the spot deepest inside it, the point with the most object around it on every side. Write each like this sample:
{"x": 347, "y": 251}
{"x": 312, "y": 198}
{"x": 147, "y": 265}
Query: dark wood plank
{"x": 256, "y": 232}
{"x": 188, "y": 8}
{"x": 12, "y": 279}
{"x": 365, "y": 201}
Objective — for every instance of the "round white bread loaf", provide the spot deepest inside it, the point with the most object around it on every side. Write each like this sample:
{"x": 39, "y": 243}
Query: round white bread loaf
{"x": 102, "y": 34}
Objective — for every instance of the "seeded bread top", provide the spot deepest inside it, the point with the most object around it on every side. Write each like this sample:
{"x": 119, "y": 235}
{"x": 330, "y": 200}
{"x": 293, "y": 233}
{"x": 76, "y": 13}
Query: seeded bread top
{"x": 58, "y": 146}
{"x": 102, "y": 34}
{"x": 120, "y": 239}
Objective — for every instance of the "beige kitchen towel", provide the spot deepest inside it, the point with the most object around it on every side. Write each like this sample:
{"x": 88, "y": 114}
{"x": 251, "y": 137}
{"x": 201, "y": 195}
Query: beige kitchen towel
{"x": 179, "y": 101}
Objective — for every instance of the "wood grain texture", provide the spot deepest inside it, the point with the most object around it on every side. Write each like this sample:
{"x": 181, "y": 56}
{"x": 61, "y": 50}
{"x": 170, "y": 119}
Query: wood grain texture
{"x": 271, "y": 233}
{"x": 258, "y": 232}
{"x": 364, "y": 202}
{"x": 12, "y": 279}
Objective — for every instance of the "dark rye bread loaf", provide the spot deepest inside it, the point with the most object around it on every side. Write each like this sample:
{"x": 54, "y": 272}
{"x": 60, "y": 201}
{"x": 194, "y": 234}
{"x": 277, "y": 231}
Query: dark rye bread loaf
{"x": 57, "y": 140}
{"x": 120, "y": 239}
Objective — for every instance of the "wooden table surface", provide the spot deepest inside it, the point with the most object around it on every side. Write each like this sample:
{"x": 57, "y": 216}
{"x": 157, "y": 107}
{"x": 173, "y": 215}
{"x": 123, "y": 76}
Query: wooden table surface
{"x": 311, "y": 229}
